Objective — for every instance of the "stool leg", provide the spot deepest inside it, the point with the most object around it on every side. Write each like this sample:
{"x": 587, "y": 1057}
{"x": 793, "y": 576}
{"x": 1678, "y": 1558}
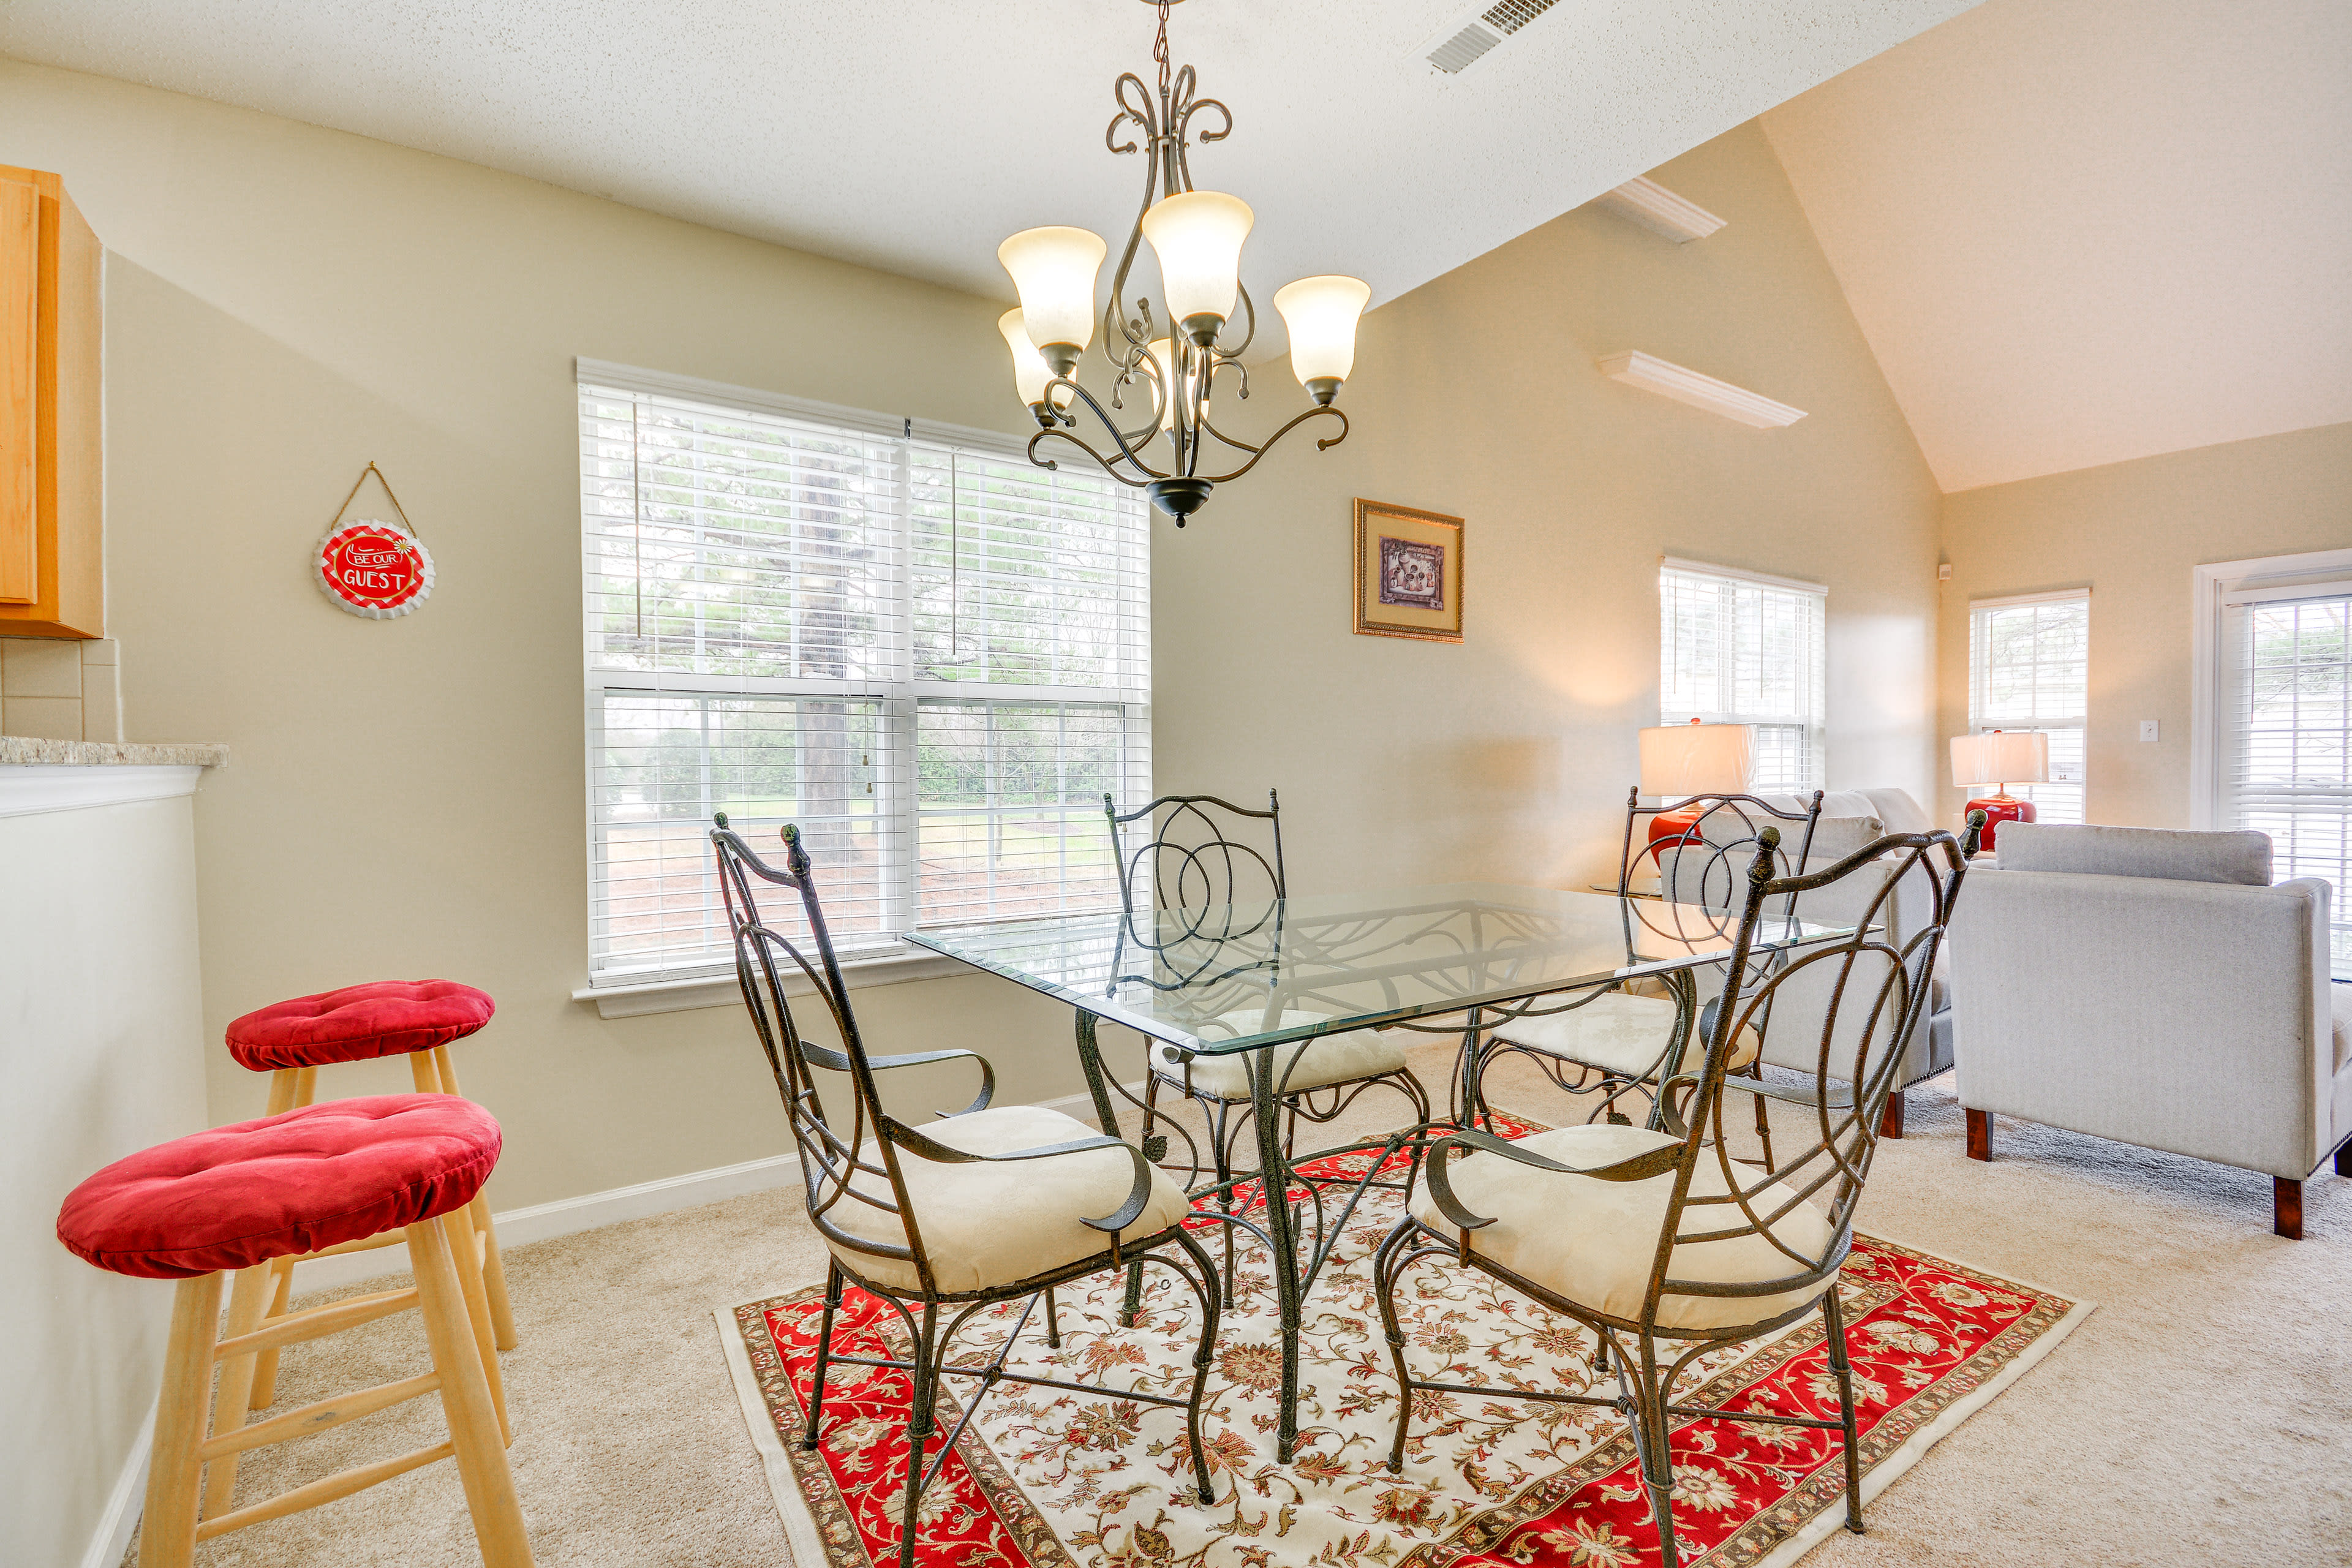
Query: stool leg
{"x": 459, "y": 1223}
{"x": 167, "y": 1535}
{"x": 466, "y": 1400}
{"x": 306, "y": 1083}
{"x": 494, "y": 1270}
{"x": 264, "y": 1365}
{"x": 247, "y": 1298}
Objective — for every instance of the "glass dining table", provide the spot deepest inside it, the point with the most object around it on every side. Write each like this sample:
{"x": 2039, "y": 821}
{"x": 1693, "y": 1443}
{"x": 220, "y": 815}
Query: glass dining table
{"x": 1427, "y": 958}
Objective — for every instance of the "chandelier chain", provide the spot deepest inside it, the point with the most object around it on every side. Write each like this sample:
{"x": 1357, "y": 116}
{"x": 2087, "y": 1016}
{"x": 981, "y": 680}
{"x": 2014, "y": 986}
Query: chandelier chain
{"x": 1159, "y": 50}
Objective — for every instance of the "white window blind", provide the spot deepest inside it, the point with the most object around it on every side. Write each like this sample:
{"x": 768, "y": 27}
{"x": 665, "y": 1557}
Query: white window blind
{"x": 1743, "y": 650}
{"x": 2286, "y": 750}
{"x": 932, "y": 655}
{"x": 2029, "y": 669}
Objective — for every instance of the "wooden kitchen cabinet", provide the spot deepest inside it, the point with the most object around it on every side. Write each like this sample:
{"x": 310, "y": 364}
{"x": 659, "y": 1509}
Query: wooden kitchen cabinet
{"x": 52, "y": 566}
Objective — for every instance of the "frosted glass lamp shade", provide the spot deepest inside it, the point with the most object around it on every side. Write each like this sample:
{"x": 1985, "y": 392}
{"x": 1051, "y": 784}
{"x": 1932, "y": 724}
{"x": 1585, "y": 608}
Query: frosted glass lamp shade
{"x": 1198, "y": 238}
{"x": 1054, "y": 269}
{"x": 1029, "y": 371}
{"x": 1321, "y": 313}
{"x": 2001, "y": 757}
{"x": 1682, "y": 760}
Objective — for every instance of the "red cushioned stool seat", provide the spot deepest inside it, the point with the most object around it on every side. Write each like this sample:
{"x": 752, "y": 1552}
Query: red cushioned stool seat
{"x": 310, "y": 1178}
{"x": 382, "y": 1019}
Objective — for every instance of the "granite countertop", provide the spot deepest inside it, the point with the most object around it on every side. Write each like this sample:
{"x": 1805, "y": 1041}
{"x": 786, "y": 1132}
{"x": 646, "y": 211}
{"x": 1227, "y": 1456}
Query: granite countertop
{"x": 24, "y": 750}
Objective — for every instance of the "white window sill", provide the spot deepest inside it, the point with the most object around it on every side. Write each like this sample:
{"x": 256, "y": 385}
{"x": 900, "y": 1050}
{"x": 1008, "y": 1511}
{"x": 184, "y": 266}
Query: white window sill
{"x": 633, "y": 1001}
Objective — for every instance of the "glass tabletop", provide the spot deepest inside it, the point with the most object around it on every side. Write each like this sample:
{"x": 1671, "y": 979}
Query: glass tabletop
{"x": 1239, "y": 977}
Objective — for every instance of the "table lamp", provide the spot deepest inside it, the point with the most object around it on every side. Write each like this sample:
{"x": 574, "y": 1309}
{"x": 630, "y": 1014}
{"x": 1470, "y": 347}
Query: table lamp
{"x": 1682, "y": 760}
{"x": 2001, "y": 758}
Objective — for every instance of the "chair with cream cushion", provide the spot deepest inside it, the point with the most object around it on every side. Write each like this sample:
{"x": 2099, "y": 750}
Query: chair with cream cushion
{"x": 1622, "y": 1041}
{"x": 1658, "y": 1236}
{"x": 1193, "y": 878}
{"x": 994, "y": 1203}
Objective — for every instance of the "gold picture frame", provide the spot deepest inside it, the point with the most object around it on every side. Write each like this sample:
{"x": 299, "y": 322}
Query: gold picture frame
{"x": 1409, "y": 572}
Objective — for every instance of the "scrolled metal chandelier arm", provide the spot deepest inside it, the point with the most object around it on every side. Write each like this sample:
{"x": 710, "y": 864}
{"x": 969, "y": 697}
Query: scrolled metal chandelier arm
{"x": 1210, "y": 319}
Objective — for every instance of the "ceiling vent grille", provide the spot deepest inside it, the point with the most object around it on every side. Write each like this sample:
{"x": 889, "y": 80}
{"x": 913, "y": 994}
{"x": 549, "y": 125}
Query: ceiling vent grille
{"x": 1468, "y": 36}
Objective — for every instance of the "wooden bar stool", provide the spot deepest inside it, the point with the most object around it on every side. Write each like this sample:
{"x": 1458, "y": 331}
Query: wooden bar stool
{"x": 234, "y": 1200}
{"x": 416, "y": 1018}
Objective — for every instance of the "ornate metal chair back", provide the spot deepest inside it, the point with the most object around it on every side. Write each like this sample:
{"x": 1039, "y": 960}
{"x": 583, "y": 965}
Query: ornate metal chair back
{"x": 1703, "y": 869}
{"x": 1858, "y": 997}
{"x": 1196, "y": 857}
{"x": 833, "y": 1157}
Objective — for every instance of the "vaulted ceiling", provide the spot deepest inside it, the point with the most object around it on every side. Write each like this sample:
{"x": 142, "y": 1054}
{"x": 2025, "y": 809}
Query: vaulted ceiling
{"x": 2081, "y": 231}
{"x": 914, "y": 135}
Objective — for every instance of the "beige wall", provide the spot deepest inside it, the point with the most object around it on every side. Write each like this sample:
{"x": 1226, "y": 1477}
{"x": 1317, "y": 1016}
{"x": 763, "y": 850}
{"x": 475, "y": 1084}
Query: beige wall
{"x": 406, "y": 798}
{"x": 285, "y": 304}
{"x": 1475, "y": 395}
{"x": 2130, "y": 532}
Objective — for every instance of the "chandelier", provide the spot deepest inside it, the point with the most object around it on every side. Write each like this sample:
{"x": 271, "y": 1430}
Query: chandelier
{"x": 1197, "y": 237}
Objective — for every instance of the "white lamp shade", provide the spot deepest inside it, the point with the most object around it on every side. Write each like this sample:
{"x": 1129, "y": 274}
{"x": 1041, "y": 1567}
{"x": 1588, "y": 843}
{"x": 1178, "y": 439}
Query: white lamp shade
{"x": 1164, "y": 350}
{"x": 1682, "y": 760}
{"x": 2001, "y": 757}
{"x": 1198, "y": 238}
{"x": 1029, "y": 371}
{"x": 1321, "y": 313}
{"x": 1054, "y": 269}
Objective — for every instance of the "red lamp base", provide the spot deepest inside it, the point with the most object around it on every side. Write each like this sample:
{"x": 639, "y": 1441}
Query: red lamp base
{"x": 1669, "y": 826}
{"x": 1997, "y": 809}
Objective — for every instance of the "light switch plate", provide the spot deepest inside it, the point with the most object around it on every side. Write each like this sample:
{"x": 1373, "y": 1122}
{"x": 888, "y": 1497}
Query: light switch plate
{"x": 2147, "y": 729}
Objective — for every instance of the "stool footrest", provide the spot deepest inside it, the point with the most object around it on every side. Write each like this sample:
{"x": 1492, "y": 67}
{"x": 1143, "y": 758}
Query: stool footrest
{"x": 311, "y": 1322}
{"x": 326, "y": 1489}
{"x": 319, "y": 1415}
{"x": 365, "y": 1244}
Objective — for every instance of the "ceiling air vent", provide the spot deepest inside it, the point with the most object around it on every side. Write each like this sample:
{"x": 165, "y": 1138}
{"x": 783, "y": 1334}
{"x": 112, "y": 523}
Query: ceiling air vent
{"x": 1468, "y": 36}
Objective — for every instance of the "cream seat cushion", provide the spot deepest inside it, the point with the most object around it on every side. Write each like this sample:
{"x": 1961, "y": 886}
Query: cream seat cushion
{"x": 990, "y": 1225}
{"x": 1312, "y": 1064}
{"x": 2339, "y": 1004}
{"x": 1617, "y": 1031}
{"x": 1593, "y": 1242}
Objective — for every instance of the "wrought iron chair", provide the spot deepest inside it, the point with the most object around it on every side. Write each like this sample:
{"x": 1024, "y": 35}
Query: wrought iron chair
{"x": 1217, "y": 887}
{"x": 988, "y": 1206}
{"x": 1621, "y": 1042}
{"x": 1660, "y": 1234}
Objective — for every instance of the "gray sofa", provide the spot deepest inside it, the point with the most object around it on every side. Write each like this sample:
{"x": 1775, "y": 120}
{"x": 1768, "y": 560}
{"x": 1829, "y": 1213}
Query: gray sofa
{"x": 2153, "y": 987}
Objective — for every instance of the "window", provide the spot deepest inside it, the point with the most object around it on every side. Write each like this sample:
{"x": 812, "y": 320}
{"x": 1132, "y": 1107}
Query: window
{"x": 1741, "y": 649}
{"x": 930, "y": 654}
{"x": 2278, "y": 755}
{"x": 2030, "y": 668}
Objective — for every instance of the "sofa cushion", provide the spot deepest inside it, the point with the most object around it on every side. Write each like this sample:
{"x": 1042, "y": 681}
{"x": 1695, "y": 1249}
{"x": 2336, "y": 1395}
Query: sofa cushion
{"x": 2174, "y": 855}
{"x": 2339, "y": 1003}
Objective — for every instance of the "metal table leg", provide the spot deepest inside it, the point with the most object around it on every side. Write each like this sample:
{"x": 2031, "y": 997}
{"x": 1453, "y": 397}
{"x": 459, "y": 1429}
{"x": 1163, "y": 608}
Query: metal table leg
{"x": 1274, "y": 1181}
{"x": 1098, "y": 1089}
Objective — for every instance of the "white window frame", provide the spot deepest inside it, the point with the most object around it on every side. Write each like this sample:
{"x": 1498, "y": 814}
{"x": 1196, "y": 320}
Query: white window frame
{"x": 872, "y": 960}
{"x": 2209, "y": 586}
{"x": 1815, "y": 721}
{"x": 1978, "y": 724}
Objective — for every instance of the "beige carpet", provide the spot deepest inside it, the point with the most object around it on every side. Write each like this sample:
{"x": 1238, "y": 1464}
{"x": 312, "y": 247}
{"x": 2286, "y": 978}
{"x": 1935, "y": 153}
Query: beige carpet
{"x": 2203, "y": 1415}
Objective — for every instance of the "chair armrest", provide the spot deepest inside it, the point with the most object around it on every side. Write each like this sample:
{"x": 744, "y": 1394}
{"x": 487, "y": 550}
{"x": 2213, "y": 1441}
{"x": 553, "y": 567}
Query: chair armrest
{"x": 835, "y": 1061}
{"x": 1116, "y": 1221}
{"x": 1637, "y": 1168}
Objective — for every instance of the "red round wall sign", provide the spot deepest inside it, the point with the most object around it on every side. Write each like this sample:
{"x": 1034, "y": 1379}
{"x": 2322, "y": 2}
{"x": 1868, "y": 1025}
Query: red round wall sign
{"x": 374, "y": 569}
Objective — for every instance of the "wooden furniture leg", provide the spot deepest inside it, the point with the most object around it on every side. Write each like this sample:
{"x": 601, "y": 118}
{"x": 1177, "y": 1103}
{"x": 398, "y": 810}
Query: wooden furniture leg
{"x": 282, "y": 1086}
{"x": 1980, "y": 1135}
{"x": 167, "y": 1535}
{"x": 474, "y": 1428}
{"x": 2286, "y": 1207}
{"x": 494, "y": 1270}
{"x": 249, "y": 1298}
{"x": 2344, "y": 1160}
{"x": 1890, "y": 1123}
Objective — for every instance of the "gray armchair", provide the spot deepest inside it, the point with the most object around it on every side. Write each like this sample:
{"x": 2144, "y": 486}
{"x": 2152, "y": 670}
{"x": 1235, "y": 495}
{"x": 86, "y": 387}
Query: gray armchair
{"x": 2153, "y": 987}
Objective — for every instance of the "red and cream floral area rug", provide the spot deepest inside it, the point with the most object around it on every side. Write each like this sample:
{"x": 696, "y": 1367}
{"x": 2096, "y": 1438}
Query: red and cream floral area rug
{"x": 1044, "y": 1479}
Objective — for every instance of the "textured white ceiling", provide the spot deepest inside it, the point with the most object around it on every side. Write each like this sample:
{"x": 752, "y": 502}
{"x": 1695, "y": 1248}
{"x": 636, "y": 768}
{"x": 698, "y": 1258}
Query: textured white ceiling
{"x": 913, "y": 136}
{"x": 2082, "y": 231}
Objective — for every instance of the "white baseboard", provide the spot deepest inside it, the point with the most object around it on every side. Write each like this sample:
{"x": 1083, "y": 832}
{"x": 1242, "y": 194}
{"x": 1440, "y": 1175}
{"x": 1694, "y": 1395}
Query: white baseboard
{"x": 112, "y": 1538}
{"x": 593, "y": 1211}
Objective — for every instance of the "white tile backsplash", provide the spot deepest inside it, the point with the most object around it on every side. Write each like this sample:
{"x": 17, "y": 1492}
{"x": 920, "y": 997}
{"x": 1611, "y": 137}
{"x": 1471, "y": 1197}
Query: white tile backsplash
{"x": 61, "y": 688}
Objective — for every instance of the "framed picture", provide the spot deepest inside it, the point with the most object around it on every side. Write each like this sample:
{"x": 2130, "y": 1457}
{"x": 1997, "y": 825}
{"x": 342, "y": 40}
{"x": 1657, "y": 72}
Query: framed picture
{"x": 1408, "y": 572}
